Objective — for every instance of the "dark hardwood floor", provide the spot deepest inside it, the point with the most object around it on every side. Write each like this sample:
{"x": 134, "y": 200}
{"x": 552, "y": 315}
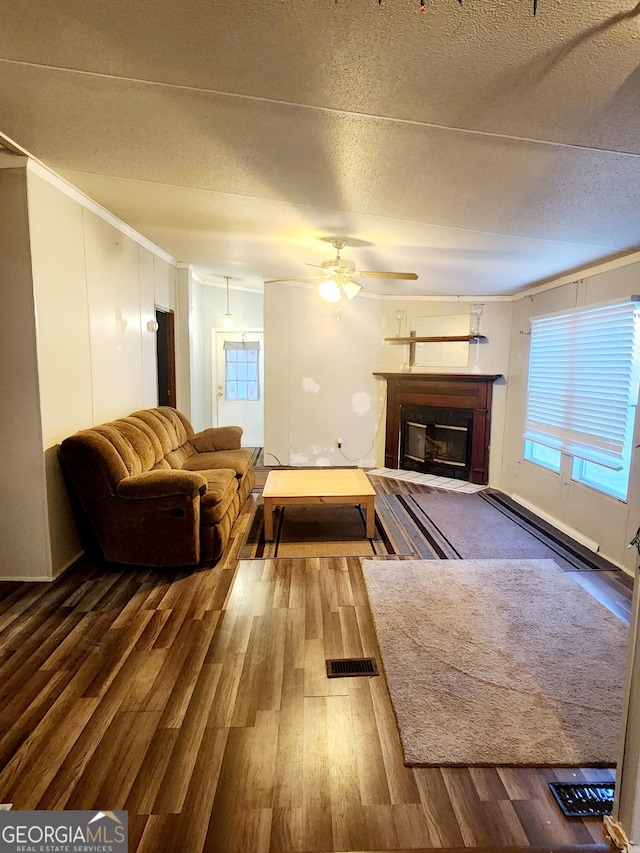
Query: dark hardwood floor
{"x": 198, "y": 701}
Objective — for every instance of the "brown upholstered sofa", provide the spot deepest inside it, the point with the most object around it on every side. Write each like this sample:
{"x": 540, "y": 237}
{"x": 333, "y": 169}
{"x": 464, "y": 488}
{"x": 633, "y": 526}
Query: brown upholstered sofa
{"x": 154, "y": 492}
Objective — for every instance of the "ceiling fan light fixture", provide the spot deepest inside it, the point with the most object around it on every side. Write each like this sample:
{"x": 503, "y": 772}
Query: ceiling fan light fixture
{"x": 338, "y": 275}
{"x": 351, "y": 289}
{"x": 329, "y": 290}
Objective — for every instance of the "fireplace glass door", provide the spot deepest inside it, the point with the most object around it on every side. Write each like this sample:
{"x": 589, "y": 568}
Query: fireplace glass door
{"x": 436, "y": 440}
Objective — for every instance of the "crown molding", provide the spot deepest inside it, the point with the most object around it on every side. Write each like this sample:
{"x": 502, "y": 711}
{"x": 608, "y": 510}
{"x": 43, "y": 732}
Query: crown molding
{"x": 478, "y": 297}
{"x": 57, "y": 181}
{"x": 37, "y": 167}
{"x": 586, "y": 272}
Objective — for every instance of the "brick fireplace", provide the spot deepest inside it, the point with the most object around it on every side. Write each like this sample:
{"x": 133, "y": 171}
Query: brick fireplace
{"x": 439, "y": 423}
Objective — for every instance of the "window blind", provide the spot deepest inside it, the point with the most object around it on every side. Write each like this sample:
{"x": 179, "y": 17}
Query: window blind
{"x": 584, "y": 371}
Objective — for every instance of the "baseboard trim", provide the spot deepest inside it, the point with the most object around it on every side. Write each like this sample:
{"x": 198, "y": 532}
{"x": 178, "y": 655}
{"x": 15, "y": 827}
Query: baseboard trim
{"x": 23, "y": 579}
{"x": 70, "y": 563}
{"x": 550, "y": 527}
{"x": 574, "y": 534}
{"x": 591, "y": 544}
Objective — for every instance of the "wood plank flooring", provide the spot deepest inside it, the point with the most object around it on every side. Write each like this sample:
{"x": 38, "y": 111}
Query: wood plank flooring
{"x": 197, "y": 700}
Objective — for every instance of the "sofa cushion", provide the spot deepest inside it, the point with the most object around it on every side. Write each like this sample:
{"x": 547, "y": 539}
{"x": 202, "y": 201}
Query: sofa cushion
{"x": 217, "y": 438}
{"x": 162, "y": 484}
{"x": 122, "y": 446}
{"x": 221, "y": 490}
{"x": 177, "y": 458}
{"x": 171, "y": 427}
{"x": 138, "y": 451}
{"x": 141, "y": 426}
{"x": 239, "y": 460}
{"x": 94, "y": 466}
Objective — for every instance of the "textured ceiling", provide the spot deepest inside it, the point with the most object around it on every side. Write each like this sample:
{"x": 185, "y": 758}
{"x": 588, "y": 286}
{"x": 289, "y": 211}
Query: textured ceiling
{"x": 483, "y": 148}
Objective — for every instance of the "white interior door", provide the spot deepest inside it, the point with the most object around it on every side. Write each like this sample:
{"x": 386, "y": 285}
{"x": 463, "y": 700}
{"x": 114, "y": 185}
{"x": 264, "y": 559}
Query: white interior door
{"x": 233, "y": 384}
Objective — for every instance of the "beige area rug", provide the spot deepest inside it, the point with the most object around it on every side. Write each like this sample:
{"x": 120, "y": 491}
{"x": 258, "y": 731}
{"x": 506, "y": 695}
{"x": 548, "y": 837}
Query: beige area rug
{"x": 498, "y": 662}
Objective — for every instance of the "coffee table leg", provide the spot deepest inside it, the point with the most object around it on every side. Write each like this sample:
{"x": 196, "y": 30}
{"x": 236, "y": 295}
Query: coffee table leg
{"x": 371, "y": 517}
{"x": 268, "y": 519}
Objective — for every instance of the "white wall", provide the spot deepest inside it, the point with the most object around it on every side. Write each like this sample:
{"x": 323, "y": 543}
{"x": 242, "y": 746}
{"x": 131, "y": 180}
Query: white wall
{"x": 87, "y": 289}
{"x": 319, "y": 383}
{"x": 609, "y": 522}
{"x": 24, "y": 542}
{"x": 63, "y": 341}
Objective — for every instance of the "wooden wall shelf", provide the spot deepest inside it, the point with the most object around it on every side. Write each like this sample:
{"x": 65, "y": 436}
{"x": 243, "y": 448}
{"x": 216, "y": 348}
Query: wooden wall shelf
{"x": 478, "y": 339}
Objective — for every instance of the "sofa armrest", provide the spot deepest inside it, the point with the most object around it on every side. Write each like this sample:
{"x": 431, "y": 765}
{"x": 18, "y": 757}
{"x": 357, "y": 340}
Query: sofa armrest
{"x": 161, "y": 484}
{"x": 217, "y": 438}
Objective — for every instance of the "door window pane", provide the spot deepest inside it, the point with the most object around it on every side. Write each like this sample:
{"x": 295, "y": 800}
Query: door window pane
{"x": 241, "y": 370}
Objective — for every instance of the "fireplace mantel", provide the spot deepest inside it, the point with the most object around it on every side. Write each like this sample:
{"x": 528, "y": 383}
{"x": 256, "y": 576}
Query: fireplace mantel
{"x": 453, "y": 390}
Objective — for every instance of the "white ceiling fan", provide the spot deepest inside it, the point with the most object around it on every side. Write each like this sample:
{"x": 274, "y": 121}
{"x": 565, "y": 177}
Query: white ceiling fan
{"x": 339, "y": 275}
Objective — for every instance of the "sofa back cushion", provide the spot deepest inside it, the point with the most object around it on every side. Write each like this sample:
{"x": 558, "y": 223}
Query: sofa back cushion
{"x": 132, "y": 445}
{"x": 172, "y": 430}
{"x": 97, "y": 459}
{"x": 93, "y": 464}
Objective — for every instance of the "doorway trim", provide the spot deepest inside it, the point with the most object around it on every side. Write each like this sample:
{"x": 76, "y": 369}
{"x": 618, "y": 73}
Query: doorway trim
{"x": 218, "y": 375}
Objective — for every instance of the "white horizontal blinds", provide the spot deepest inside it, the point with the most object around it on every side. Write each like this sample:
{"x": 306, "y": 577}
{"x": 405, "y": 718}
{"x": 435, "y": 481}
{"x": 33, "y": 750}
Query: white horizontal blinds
{"x": 584, "y": 371}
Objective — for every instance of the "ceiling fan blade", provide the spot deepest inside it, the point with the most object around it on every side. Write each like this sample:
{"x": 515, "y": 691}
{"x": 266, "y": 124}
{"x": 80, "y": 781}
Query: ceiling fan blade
{"x": 408, "y": 276}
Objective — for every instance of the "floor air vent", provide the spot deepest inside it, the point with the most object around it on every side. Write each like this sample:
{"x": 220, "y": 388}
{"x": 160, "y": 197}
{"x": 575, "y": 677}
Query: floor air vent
{"x": 350, "y": 667}
{"x": 586, "y": 799}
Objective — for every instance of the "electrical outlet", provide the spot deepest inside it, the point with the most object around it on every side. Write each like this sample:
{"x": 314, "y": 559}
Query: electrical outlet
{"x": 339, "y": 443}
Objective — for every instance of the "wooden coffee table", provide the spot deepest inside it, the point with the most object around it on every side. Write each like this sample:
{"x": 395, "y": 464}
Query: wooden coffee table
{"x": 318, "y": 486}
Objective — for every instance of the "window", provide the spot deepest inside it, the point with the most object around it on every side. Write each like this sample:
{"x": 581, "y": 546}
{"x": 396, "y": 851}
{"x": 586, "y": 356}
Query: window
{"x": 541, "y": 455}
{"x": 584, "y": 373}
{"x": 241, "y": 370}
{"x": 614, "y": 483}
